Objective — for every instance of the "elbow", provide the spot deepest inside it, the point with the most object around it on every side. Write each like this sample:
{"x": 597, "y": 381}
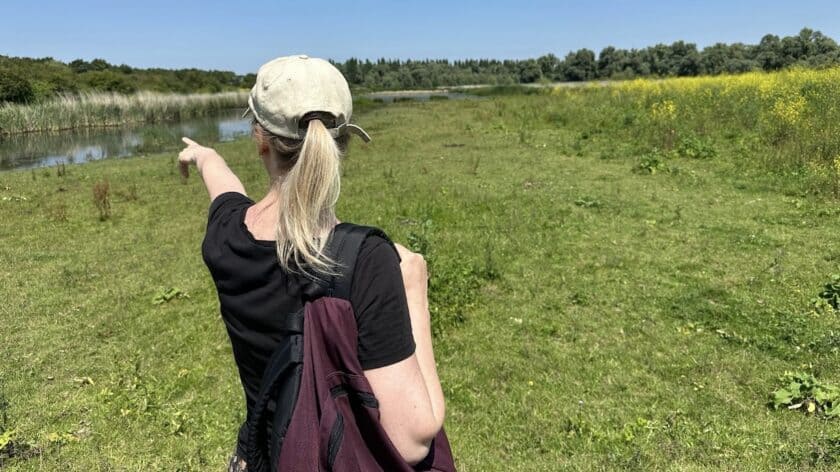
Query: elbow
{"x": 416, "y": 454}
{"x": 419, "y": 446}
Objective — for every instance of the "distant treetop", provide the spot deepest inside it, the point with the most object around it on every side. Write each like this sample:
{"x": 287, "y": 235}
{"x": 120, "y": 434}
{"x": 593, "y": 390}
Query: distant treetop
{"x": 24, "y": 79}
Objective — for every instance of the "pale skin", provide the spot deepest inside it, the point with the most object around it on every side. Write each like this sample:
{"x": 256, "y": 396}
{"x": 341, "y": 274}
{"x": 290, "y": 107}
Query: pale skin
{"x": 410, "y": 397}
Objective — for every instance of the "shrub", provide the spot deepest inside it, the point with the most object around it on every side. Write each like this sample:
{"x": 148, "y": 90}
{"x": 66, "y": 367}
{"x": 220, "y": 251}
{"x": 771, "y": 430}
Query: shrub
{"x": 102, "y": 199}
{"x": 651, "y": 163}
{"x": 15, "y": 88}
{"x": 695, "y": 148}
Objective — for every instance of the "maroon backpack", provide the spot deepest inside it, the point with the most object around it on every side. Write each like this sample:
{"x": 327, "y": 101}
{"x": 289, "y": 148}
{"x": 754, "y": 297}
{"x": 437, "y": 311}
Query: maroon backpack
{"x": 325, "y": 414}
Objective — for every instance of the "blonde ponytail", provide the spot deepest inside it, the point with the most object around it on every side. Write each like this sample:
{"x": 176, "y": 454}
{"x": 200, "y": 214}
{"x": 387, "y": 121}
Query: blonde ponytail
{"x": 308, "y": 194}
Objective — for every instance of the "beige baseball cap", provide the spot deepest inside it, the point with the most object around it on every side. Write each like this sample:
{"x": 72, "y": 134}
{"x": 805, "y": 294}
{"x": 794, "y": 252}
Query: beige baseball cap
{"x": 287, "y": 88}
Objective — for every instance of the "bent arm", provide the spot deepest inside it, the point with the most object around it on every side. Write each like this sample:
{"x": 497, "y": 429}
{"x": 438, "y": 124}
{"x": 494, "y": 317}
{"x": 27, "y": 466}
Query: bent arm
{"x": 406, "y": 411}
{"x": 411, "y": 399}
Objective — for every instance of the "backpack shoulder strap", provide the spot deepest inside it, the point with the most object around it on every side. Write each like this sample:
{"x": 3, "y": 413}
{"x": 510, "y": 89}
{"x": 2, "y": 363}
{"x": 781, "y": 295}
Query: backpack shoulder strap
{"x": 343, "y": 248}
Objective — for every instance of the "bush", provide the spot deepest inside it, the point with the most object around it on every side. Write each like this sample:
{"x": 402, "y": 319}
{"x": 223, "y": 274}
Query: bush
{"x": 651, "y": 163}
{"x": 695, "y": 148}
{"x": 15, "y": 88}
{"x": 102, "y": 199}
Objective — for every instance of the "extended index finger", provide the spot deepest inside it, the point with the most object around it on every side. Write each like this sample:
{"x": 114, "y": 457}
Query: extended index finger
{"x": 188, "y": 141}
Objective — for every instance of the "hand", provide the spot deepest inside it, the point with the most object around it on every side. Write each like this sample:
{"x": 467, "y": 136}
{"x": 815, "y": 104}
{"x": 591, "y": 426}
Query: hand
{"x": 192, "y": 154}
{"x": 415, "y": 276}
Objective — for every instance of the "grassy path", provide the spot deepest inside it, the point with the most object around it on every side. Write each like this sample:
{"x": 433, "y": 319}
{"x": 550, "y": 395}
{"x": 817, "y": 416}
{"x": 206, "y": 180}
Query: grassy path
{"x": 589, "y": 317}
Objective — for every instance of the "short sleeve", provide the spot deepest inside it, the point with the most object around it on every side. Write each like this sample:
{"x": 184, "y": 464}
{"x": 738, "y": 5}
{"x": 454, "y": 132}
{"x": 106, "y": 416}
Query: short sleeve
{"x": 224, "y": 204}
{"x": 378, "y": 298}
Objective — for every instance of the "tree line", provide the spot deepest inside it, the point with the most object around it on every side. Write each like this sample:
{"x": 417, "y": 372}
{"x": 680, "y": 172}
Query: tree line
{"x": 25, "y": 79}
{"x": 809, "y": 48}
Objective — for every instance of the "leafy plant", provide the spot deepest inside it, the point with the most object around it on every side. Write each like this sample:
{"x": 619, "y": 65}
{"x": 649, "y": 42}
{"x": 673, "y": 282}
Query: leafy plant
{"x": 169, "y": 294}
{"x": 830, "y": 296}
{"x": 11, "y": 446}
{"x": 588, "y": 202}
{"x": 651, "y": 163}
{"x": 695, "y": 148}
{"x": 417, "y": 239}
{"x": 805, "y": 393}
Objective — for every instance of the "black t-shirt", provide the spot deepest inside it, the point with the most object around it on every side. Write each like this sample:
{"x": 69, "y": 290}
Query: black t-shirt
{"x": 255, "y": 292}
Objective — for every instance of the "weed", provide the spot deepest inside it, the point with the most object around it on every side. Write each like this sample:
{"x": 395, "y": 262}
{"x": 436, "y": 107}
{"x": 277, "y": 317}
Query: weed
{"x": 829, "y": 298}
{"x": 805, "y": 393}
{"x": 102, "y": 199}
{"x": 418, "y": 240}
{"x": 167, "y": 295}
{"x": 524, "y": 136}
{"x": 58, "y": 212}
{"x": 4, "y": 416}
{"x": 388, "y": 175}
{"x": 132, "y": 192}
{"x": 474, "y": 165}
{"x": 129, "y": 194}
{"x": 588, "y": 202}
{"x": 695, "y": 148}
{"x": 490, "y": 271}
{"x": 825, "y": 451}
{"x": 651, "y": 163}
{"x": 12, "y": 447}
{"x": 452, "y": 292}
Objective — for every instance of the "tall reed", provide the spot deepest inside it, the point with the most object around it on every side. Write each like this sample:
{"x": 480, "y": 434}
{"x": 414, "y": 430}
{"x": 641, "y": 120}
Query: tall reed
{"x": 100, "y": 109}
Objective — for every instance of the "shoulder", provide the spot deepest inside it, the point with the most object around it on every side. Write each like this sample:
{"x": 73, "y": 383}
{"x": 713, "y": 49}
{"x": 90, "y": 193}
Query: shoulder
{"x": 377, "y": 270}
{"x": 376, "y": 248}
{"x": 378, "y": 298}
{"x": 227, "y": 202}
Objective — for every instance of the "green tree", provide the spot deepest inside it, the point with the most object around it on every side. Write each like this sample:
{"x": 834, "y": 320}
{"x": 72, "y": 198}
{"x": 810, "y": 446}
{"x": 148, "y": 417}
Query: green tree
{"x": 549, "y": 65}
{"x": 684, "y": 59}
{"x": 99, "y": 64}
{"x": 610, "y": 62}
{"x": 109, "y": 81}
{"x": 769, "y": 53}
{"x": 580, "y": 65}
{"x": 529, "y": 71}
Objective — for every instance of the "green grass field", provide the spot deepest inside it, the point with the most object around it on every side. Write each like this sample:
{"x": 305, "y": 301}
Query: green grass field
{"x": 590, "y": 314}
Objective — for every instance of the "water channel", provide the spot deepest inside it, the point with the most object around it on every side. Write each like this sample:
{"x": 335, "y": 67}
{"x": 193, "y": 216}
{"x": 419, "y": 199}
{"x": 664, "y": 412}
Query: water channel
{"x": 24, "y": 151}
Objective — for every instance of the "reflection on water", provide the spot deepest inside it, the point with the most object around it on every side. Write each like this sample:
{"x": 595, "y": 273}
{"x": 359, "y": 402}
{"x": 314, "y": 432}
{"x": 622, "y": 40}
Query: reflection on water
{"x": 23, "y": 151}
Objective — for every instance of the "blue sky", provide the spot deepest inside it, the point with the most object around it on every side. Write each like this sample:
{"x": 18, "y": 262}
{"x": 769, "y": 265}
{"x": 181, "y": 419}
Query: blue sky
{"x": 240, "y": 36}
